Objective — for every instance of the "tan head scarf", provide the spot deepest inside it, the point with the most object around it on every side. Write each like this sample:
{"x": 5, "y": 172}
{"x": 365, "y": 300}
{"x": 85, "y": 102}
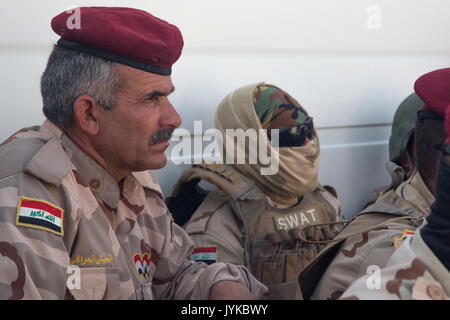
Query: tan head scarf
{"x": 298, "y": 166}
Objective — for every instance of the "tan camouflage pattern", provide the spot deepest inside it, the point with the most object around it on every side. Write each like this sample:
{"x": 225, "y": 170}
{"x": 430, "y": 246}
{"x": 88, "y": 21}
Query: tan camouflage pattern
{"x": 107, "y": 227}
{"x": 413, "y": 272}
{"x": 373, "y": 247}
{"x": 266, "y": 239}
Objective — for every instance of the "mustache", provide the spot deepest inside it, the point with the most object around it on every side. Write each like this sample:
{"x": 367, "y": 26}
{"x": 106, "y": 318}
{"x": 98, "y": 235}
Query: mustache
{"x": 161, "y": 135}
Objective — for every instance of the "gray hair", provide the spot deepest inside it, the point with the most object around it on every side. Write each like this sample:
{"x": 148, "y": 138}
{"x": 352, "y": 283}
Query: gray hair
{"x": 70, "y": 74}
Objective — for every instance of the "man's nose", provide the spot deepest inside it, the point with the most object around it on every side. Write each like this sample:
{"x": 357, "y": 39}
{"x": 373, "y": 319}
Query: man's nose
{"x": 170, "y": 118}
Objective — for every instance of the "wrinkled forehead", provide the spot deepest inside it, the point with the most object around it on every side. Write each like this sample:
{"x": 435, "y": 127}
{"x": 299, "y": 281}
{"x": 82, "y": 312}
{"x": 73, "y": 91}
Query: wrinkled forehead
{"x": 139, "y": 81}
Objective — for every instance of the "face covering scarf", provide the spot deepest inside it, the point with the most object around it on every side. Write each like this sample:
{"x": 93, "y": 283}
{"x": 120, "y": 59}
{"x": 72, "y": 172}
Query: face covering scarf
{"x": 264, "y": 106}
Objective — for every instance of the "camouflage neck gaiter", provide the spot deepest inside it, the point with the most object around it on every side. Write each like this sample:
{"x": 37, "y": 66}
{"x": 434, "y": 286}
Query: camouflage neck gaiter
{"x": 263, "y": 106}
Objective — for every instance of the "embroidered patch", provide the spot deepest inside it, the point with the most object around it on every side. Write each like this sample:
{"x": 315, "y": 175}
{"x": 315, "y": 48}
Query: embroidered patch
{"x": 205, "y": 254}
{"x": 40, "y": 214}
{"x": 142, "y": 264}
{"x": 406, "y": 234}
{"x": 81, "y": 260}
{"x": 295, "y": 219}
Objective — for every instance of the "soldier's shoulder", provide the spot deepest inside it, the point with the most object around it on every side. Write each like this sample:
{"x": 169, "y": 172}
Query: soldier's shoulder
{"x": 16, "y": 154}
{"x": 392, "y": 203}
{"x": 375, "y": 231}
{"x": 328, "y": 195}
{"x": 39, "y": 157}
{"x": 215, "y": 206}
{"x": 31, "y": 170}
{"x": 390, "y": 217}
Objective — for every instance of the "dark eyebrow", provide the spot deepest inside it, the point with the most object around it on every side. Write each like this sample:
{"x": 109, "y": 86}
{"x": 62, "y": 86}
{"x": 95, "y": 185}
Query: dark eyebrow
{"x": 156, "y": 93}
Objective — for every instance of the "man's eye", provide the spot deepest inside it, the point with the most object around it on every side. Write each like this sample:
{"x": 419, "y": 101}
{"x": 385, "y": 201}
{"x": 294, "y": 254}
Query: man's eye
{"x": 154, "y": 99}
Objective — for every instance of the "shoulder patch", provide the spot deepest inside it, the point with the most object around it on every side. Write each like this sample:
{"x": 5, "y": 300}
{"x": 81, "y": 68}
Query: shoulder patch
{"x": 15, "y": 155}
{"x": 399, "y": 240}
{"x": 40, "y": 214}
{"x": 205, "y": 254}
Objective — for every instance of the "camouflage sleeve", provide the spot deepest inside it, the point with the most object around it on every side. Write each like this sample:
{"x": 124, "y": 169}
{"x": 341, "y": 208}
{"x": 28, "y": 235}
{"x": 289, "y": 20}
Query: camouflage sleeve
{"x": 357, "y": 257}
{"x": 218, "y": 230}
{"x": 405, "y": 277}
{"x": 179, "y": 278}
{"x": 33, "y": 259}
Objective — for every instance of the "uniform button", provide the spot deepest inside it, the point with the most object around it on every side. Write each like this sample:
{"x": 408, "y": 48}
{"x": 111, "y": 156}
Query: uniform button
{"x": 435, "y": 292}
{"x": 94, "y": 183}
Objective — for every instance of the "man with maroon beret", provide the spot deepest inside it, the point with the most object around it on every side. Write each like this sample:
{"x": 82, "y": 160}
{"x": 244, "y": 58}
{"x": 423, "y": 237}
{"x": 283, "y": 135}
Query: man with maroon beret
{"x": 80, "y": 215}
{"x": 420, "y": 268}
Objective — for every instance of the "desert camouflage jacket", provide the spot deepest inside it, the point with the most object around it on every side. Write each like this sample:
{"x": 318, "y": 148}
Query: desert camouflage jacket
{"x": 375, "y": 244}
{"x": 69, "y": 230}
{"x": 412, "y": 272}
{"x": 237, "y": 224}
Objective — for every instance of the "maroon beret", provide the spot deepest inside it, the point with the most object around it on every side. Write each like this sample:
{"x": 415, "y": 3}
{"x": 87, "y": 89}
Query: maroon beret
{"x": 434, "y": 89}
{"x": 124, "y": 35}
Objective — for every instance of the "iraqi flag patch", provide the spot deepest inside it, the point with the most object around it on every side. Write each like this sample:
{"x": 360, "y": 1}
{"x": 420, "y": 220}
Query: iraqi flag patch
{"x": 205, "y": 254}
{"x": 40, "y": 214}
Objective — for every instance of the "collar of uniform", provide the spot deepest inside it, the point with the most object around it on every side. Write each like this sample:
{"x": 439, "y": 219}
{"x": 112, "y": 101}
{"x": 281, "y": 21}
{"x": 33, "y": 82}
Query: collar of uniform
{"x": 101, "y": 183}
{"x": 272, "y": 205}
{"x": 432, "y": 263}
{"x": 415, "y": 191}
{"x": 275, "y": 207}
{"x": 50, "y": 130}
{"x": 148, "y": 180}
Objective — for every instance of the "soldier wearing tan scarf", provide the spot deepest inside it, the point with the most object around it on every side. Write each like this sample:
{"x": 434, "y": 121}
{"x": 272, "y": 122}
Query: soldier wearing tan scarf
{"x": 267, "y": 107}
{"x": 253, "y": 219}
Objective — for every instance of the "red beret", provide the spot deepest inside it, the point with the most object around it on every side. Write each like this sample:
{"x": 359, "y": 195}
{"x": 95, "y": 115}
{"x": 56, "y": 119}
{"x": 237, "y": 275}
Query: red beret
{"x": 124, "y": 35}
{"x": 434, "y": 89}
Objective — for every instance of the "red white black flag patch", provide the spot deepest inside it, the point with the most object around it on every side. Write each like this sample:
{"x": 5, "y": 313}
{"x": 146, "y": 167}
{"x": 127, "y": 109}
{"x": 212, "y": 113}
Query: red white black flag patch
{"x": 40, "y": 214}
{"x": 205, "y": 254}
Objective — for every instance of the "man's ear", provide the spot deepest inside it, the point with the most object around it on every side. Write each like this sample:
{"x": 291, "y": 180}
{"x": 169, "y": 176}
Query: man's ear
{"x": 86, "y": 114}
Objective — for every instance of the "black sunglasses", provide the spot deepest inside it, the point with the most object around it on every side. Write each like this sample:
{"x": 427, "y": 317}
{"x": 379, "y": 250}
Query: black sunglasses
{"x": 295, "y": 136}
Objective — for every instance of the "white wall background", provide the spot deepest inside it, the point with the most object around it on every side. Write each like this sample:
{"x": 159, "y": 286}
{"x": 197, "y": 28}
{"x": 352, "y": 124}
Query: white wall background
{"x": 349, "y": 76}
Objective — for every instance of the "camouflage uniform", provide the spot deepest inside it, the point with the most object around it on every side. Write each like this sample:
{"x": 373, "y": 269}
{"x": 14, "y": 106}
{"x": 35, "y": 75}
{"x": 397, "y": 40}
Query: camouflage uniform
{"x": 59, "y": 208}
{"x": 413, "y": 272}
{"x": 420, "y": 268}
{"x": 257, "y": 220}
{"x": 237, "y": 224}
{"x": 369, "y": 240}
